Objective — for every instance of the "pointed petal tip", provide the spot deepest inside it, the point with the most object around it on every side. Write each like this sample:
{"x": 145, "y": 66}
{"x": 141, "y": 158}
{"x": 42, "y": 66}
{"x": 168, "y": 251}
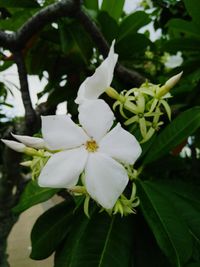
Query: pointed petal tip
{"x": 30, "y": 141}
{"x": 18, "y": 147}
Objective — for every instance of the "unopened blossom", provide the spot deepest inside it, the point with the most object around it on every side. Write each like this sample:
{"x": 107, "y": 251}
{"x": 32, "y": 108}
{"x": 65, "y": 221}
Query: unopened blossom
{"x": 91, "y": 149}
{"x": 97, "y": 84}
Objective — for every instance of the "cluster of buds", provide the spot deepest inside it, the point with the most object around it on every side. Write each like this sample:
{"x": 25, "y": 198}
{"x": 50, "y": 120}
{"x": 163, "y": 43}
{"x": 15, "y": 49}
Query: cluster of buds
{"x": 144, "y": 106}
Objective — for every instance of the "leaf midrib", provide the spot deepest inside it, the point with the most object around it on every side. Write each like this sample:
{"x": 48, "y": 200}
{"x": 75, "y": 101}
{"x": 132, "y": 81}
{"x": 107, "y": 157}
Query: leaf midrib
{"x": 106, "y": 242}
{"x": 157, "y": 213}
{"x": 174, "y": 136}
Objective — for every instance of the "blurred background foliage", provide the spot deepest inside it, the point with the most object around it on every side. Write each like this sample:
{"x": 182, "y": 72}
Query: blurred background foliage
{"x": 166, "y": 229}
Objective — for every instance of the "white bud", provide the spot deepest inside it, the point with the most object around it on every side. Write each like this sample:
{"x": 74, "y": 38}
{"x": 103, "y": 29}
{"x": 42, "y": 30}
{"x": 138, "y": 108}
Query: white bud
{"x": 173, "y": 80}
{"x": 19, "y": 147}
{"x": 169, "y": 85}
{"x": 30, "y": 141}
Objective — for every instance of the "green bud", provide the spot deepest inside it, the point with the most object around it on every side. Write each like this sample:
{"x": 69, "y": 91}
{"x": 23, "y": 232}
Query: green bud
{"x": 111, "y": 92}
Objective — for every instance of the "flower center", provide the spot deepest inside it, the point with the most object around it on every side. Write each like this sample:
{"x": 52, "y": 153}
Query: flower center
{"x": 91, "y": 146}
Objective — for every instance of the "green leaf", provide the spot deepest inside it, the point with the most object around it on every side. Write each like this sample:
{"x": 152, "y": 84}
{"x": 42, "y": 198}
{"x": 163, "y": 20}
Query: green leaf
{"x": 17, "y": 20}
{"x": 132, "y": 23}
{"x": 109, "y": 26}
{"x": 176, "y": 132}
{"x": 113, "y": 7}
{"x": 132, "y": 45}
{"x": 193, "y": 7}
{"x": 50, "y": 229}
{"x": 180, "y": 26}
{"x": 182, "y": 44}
{"x": 32, "y": 195}
{"x": 101, "y": 241}
{"x": 91, "y": 4}
{"x": 169, "y": 230}
{"x": 19, "y": 3}
{"x": 183, "y": 201}
{"x": 74, "y": 40}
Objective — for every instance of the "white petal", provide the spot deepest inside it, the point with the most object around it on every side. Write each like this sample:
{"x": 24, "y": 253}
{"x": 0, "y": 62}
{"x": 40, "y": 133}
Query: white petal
{"x": 19, "y": 147}
{"x": 96, "y": 118}
{"x": 63, "y": 168}
{"x": 30, "y": 141}
{"x": 120, "y": 145}
{"x": 95, "y": 85}
{"x": 60, "y": 132}
{"x": 105, "y": 179}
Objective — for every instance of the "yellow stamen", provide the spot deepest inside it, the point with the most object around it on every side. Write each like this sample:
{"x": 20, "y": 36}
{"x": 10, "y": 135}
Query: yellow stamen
{"x": 91, "y": 146}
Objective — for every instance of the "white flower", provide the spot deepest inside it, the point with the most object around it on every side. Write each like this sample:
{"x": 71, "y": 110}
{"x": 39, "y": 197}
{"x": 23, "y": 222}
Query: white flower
{"x": 95, "y": 85}
{"x": 174, "y": 61}
{"x": 91, "y": 149}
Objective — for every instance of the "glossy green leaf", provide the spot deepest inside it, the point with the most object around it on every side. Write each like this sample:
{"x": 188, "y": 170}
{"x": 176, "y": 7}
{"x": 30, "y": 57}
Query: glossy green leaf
{"x": 19, "y": 3}
{"x": 113, "y": 7}
{"x": 132, "y": 23}
{"x": 109, "y": 26}
{"x": 50, "y": 229}
{"x": 101, "y": 241}
{"x": 182, "y": 44}
{"x": 193, "y": 7}
{"x": 74, "y": 40}
{"x": 180, "y": 26}
{"x": 169, "y": 230}
{"x": 146, "y": 251}
{"x": 180, "y": 194}
{"x": 177, "y": 131}
{"x": 132, "y": 45}
{"x": 32, "y": 195}
{"x": 91, "y": 4}
{"x": 17, "y": 20}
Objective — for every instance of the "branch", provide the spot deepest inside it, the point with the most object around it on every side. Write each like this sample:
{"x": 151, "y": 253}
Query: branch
{"x": 43, "y": 17}
{"x": 71, "y": 8}
{"x": 18, "y": 40}
{"x": 30, "y": 115}
{"x": 124, "y": 74}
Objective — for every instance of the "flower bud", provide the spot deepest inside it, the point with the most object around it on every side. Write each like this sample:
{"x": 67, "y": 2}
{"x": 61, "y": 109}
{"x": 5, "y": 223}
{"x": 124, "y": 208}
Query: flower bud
{"x": 19, "y": 147}
{"x": 169, "y": 84}
{"x": 111, "y": 92}
{"x": 30, "y": 141}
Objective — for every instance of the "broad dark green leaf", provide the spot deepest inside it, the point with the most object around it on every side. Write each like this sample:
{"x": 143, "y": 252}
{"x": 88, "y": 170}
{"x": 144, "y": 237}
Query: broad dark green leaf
{"x": 50, "y": 229}
{"x": 91, "y": 4}
{"x": 109, "y": 26}
{"x": 17, "y": 20}
{"x": 101, "y": 241}
{"x": 169, "y": 230}
{"x": 195, "y": 264}
{"x": 179, "y": 26}
{"x": 19, "y": 3}
{"x": 132, "y": 45}
{"x": 184, "y": 203}
{"x": 193, "y": 7}
{"x": 113, "y": 7}
{"x": 182, "y": 44}
{"x": 32, "y": 195}
{"x": 146, "y": 251}
{"x": 177, "y": 131}
{"x": 75, "y": 40}
{"x": 132, "y": 23}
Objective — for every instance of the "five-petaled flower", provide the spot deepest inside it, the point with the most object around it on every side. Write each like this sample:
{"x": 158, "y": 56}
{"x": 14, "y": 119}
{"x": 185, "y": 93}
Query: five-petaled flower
{"x": 90, "y": 148}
